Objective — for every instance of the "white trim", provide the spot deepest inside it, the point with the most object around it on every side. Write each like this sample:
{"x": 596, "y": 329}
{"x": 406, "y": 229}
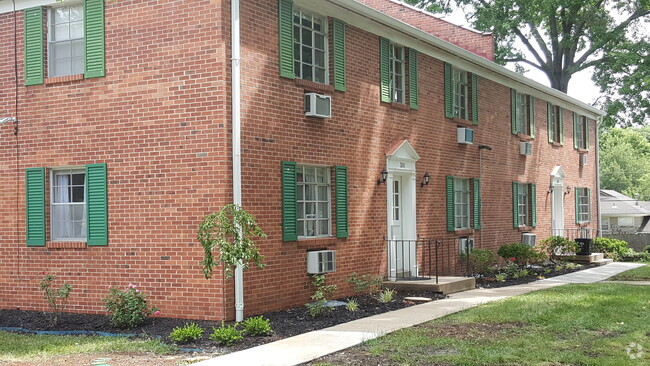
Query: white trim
{"x": 72, "y": 170}
{"x": 374, "y": 21}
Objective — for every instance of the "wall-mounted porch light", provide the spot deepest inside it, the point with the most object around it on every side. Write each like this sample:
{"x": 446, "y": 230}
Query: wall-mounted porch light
{"x": 384, "y": 176}
{"x": 425, "y": 181}
{"x": 567, "y": 190}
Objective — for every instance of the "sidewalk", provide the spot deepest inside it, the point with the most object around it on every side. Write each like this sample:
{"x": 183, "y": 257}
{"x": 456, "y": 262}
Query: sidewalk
{"x": 309, "y": 346}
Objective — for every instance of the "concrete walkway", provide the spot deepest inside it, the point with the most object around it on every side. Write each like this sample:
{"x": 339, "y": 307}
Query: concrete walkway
{"x": 309, "y": 346}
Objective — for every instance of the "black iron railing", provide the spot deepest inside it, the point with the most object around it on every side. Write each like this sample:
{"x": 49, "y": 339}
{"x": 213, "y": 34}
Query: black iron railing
{"x": 576, "y": 233}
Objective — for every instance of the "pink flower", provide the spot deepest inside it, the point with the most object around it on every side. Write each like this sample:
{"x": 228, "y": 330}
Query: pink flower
{"x": 512, "y": 259}
{"x": 131, "y": 285}
{"x": 43, "y": 273}
{"x": 137, "y": 291}
{"x": 157, "y": 312}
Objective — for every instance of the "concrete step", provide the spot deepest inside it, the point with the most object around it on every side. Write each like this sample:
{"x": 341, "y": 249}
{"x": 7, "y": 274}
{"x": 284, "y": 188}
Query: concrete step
{"x": 602, "y": 262}
{"x": 592, "y": 258}
{"x": 445, "y": 285}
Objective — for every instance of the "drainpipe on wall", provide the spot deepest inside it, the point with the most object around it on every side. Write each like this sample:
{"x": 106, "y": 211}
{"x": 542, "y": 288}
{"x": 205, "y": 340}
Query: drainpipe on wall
{"x": 599, "y": 120}
{"x": 236, "y": 143}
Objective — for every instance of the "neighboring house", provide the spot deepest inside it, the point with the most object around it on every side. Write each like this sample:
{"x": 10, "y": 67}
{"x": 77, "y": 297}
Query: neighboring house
{"x": 124, "y": 141}
{"x": 621, "y": 214}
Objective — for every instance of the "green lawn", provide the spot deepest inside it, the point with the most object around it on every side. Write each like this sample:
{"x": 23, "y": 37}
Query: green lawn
{"x": 15, "y": 347}
{"x": 637, "y": 274}
{"x": 568, "y": 325}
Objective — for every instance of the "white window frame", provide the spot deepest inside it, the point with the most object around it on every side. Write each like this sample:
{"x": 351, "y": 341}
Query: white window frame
{"x": 460, "y": 93}
{"x": 297, "y": 57}
{"x": 461, "y": 203}
{"x": 52, "y": 185}
{"x": 605, "y": 225}
{"x": 51, "y": 41}
{"x": 397, "y": 73}
{"x": 523, "y": 204}
{"x": 622, "y": 221}
{"x": 581, "y": 141}
{"x": 556, "y": 125}
{"x": 583, "y": 205}
{"x": 521, "y": 115}
{"x": 302, "y": 219}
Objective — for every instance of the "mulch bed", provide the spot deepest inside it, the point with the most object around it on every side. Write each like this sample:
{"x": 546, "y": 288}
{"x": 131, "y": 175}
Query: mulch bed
{"x": 489, "y": 281}
{"x": 285, "y": 323}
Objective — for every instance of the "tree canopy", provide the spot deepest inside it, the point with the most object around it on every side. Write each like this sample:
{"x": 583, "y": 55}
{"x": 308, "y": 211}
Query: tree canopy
{"x": 625, "y": 161}
{"x": 564, "y": 37}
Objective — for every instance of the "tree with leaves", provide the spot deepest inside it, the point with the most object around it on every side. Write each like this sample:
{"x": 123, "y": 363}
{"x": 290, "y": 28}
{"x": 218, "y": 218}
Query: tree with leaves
{"x": 625, "y": 162}
{"x": 563, "y": 37}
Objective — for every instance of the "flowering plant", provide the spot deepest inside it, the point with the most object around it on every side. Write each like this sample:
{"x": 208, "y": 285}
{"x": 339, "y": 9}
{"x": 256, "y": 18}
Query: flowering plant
{"x": 128, "y": 308}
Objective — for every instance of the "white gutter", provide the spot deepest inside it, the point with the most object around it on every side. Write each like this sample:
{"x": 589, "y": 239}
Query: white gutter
{"x": 236, "y": 143}
{"x": 599, "y": 120}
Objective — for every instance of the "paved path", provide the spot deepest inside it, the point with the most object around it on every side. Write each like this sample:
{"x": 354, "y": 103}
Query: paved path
{"x": 309, "y": 346}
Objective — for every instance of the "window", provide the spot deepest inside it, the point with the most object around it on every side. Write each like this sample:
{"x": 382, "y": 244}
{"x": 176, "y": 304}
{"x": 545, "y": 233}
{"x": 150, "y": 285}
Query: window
{"x": 626, "y": 222}
{"x": 523, "y": 206}
{"x": 461, "y": 203}
{"x": 555, "y": 124}
{"x": 66, "y": 40}
{"x": 582, "y": 205}
{"x": 397, "y": 73}
{"x": 523, "y": 114}
{"x": 580, "y": 132}
{"x": 310, "y": 46}
{"x": 459, "y": 94}
{"x": 313, "y": 201}
{"x": 68, "y": 205}
{"x": 605, "y": 227}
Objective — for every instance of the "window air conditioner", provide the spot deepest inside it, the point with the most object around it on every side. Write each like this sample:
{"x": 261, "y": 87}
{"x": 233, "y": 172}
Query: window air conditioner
{"x": 528, "y": 239}
{"x": 525, "y": 148}
{"x": 466, "y": 243}
{"x": 318, "y": 105}
{"x": 583, "y": 159}
{"x": 321, "y": 261}
{"x": 465, "y": 135}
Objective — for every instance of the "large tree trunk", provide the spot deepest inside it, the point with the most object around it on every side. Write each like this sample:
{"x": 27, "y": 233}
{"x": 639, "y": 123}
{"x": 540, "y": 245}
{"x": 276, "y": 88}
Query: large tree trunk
{"x": 559, "y": 81}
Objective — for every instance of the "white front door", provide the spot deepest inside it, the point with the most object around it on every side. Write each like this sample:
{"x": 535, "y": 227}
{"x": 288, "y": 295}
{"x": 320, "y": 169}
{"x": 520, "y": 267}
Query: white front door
{"x": 397, "y": 192}
{"x": 558, "y": 210}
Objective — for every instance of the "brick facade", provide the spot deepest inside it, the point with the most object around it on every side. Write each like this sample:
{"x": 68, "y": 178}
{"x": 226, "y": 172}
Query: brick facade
{"x": 160, "y": 120}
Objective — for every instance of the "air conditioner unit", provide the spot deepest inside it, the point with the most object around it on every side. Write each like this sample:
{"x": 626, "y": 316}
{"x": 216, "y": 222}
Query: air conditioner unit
{"x": 525, "y": 148}
{"x": 583, "y": 159}
{"x": 321, "y": 261}
{"x": 465, "y": 135}
{"x": 465, "y": 244}
{"x": 318, "y": 105}
{"x": 528, "y": 239}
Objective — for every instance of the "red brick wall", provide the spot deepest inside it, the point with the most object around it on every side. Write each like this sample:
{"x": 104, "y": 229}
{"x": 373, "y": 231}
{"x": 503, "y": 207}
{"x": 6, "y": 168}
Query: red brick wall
{"x": 481, "y": 44}
{"x": 158, "y": 120}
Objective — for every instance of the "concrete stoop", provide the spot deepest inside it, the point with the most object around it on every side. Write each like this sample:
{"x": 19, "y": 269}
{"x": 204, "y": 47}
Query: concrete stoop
{"x": 594, "y": 258}
{"x": 445, "y": 285}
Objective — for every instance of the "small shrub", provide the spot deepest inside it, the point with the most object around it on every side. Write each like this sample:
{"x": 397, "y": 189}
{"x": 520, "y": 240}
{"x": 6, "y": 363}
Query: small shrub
{"x": 227, "y": 334}
{"x": 318, "y": 307}
{"x": 257, "y": 326}
{"x": 365, "y": 283}
{"x": 501, "y": 277}
{"x": 188, "y": 333}
{"x": 647, "y": 249}
{"x": 557, "y": 245}
{"x": 611, "y": 248}
{"x": 128, "y": 308}
{"x": 522, "y": 254}
{"x": 480, "y": 261}
{"x": 524, "y": 273}
{"x": 56, "y": 300}
{"x": 352, "y": 305}
{"x": 635, "y": 257}
{"x": 386, "y": 295}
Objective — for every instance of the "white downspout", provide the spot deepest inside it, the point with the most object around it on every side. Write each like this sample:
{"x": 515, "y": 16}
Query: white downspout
{"x": 236, "y": 144}
{"x": 599, "y": 120}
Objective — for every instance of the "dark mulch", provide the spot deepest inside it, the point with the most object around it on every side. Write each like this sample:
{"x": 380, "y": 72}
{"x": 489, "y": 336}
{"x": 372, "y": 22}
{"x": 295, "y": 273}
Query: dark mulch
{"x": 536, "y": 273}
{"x": 285, "y": 323}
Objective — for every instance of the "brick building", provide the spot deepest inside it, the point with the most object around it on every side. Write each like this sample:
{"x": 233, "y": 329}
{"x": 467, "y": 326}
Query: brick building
{"x": 123, "y": 142}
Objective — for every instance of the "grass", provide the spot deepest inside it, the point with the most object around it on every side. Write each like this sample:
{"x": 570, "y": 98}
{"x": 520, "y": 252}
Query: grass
{"x": 17, "y": 347}
{"x": 637, "y": 274}
{"x": 590, "y": 324}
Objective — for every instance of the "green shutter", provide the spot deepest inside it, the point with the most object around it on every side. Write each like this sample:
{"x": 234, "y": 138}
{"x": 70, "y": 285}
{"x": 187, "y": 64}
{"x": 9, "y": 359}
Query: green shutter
{"x": 96, "y": 204}
{"x": 474, "y": 99}
{"x": 413, "y": 78}
{"x": 338, "y": 36}
{"x": 451, "y": 215}
{"x": 289, "y": 199}
{"x": 341, "y": 177}
{"x": 33, "y": 19}
{"x": 449, "y": 102}
{"x": 531, "y": 115}
{"x": 285, "y": 38}
{"x": 95, "y": 65}
{"x": 589, "y": 204}
{"x": 384, "y": 70}
{"x": 533, "y": 204}
{"x": 577, "y": 203}
{"x": 515, "y": 204}
{"x": 513, "y": 111}
{"x": 35, "y": 206}
{"x": 561, "y": 125}
{"x": 549, "y": 121}
{"x": 477, "y": 203}
{"x": 586, "y": 133}
{"x": 576, "y": 127}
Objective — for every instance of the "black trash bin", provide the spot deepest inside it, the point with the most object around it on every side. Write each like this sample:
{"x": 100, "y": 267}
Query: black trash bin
{"x": 584, "y": 246}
